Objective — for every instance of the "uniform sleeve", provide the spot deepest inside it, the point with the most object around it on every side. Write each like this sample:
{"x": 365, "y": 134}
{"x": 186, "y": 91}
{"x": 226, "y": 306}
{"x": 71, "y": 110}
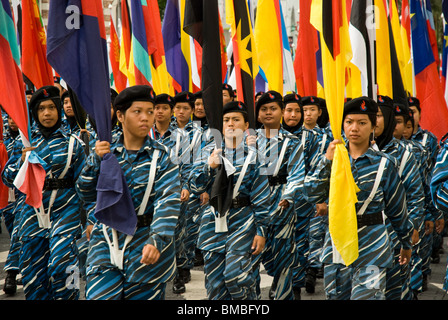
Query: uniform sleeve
{"x": 259, "y": 198}
{"x": 415, "y": 196}
{"x": 296, "y": 173}
{"x": 439, "y": 181}
{"x": 201, "y": 175}
{"x": 78, "y": 159}
{"x": 166, "y": 204}
{"x": 395, "y": 205}
{"x": 88, "y": 178}
{"x": 12, "y": 166}
{"x": 317, "y": 181}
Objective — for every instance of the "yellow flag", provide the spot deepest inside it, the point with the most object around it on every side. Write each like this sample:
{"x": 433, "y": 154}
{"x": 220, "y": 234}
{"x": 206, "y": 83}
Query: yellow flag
{"x": 268, "y": 42}
{"x": 383, "y": 59}
{"x": 330, "y": 19}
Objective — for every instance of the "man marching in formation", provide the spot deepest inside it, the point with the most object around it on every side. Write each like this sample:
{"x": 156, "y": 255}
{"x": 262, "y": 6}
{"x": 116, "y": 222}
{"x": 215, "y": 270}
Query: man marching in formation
{"x": 234, "y": 203}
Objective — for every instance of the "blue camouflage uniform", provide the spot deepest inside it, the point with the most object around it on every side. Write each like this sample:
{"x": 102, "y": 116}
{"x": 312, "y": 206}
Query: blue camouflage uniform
{"x": 8, "y": 212}
{"x": 177, "y": 141}
{"x": 132, "y": 279}
{"x": 304, "y": 209}
{"x": 89, "y": 207}
{"x": 439, "y": 190}
{"x": 428, "y": 241}
{"x": 195, "y": 136}
{"x": 318, "y": 224}
{"x": 375, "y": 246}
{"x": 279, "y": 257}
{"x": 408, "y": 167}
{"x": 228, "y": 261}
{"x": 49, "y": 254}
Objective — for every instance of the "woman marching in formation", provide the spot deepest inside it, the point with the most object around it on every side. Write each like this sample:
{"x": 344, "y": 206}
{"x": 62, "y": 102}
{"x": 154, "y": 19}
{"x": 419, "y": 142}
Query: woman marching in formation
{"x": 231, "y": 204}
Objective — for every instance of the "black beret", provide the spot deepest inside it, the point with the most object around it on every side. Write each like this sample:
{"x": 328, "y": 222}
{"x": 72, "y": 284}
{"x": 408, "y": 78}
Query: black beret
{"x": 113, "y": 95}
{"x": 134, "y": 93}
{"x": 414, "y": 102}
{"x": 43, "y": 94}
{"x": 165, "y": 99}
{"x": 184, "y": 96}
{"x": 259, "y": 93}
{"x": 323, "y": 103}
{"x": 198, "y": 95}
{"x": 311, "y": 100}
{"x": 401, "y": 109}
{"x": 385, "y": 101}
{"x": 361, "y": 105}
{"x": 234, "y": 106}
{"x": 64, "y": 95}
{"x": 29, "y": 91}
{"x": 228, "y": 87}
{"x": 292, "y": 98}
{"x": 268, "y": 97}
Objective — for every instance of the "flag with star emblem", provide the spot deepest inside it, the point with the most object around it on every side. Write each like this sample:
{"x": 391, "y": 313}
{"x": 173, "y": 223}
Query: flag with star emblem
{"x": 245, "y": 61}
{"x": 330, "y": 19}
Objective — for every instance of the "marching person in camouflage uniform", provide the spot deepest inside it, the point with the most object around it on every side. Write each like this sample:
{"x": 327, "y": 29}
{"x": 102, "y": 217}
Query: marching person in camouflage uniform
{"x": 233, "y": 228}
{"x": 376, "y": 176}
{"x": 48, "y": 234}
{"x": 138, "y": 266}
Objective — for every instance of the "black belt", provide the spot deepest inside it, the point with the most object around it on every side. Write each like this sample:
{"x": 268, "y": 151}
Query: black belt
{"x": 144, "y": 220}
{"x": 240, "y": 202}
{"x": 370, "y": 219}
{"x": 273, "y": 181}
{"x": 53, "y": 183}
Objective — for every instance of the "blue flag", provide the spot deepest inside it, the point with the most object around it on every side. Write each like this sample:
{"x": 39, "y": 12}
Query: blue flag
{"x": 77, "y": 50}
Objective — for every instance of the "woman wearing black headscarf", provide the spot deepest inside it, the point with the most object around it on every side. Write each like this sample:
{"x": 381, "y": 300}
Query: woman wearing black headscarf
{"x": 385, "y": 125}
{"x": 398, "y": 276}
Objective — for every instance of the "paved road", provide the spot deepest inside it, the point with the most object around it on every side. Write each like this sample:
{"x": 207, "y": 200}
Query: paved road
{"x": 195, "y": 288}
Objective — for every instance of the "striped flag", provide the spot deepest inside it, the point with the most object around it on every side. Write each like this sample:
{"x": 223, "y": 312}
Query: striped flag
{"x": 401, "y": 47}
{"x": 31, "y": 176}
{"x": 79, "y": 55}
{"x": 160, "y": 76}
{"x": 398, "y": 91}
{"x": 125, "y": 42}
{"x": 330, "y": 19}
{"x": 244, "y": 55}
{"x": 288, "y": 63}
{"x": 408, "y": 79}
{"x": 139, "y": 56}
{"x": 383, "y": 58}
{"x": 444, "y": 70}
{"x": 176, "y": 63}
{"x": 427, "y": 12}
{"x": 269, "y": 42}
{"x": 120, "y": 78}
{"x": 272, "y": 47}
{"x": 11, "y": 81}
{"x": 362, "y": 37}
{"x": 434, "y": 115}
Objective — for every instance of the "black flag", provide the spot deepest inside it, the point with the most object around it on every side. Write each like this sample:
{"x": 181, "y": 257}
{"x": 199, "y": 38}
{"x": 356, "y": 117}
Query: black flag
{"x": 202, "y": 23}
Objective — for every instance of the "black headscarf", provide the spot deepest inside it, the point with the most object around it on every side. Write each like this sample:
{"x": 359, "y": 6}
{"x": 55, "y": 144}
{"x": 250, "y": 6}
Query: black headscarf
{"x": 41, "y": 95}
{"x": 387, "y": 108}
{"x": 292, "y": 129}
